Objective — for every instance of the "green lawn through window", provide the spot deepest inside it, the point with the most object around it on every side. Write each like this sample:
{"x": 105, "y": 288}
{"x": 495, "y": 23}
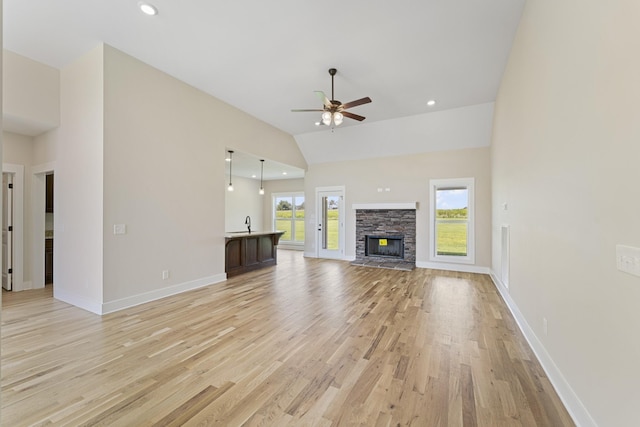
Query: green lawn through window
{"x": 451, "y": 238}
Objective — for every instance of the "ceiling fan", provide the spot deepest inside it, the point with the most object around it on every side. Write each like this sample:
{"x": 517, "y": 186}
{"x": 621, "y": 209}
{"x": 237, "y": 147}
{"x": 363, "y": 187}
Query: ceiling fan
{"x": 334, "y": 111}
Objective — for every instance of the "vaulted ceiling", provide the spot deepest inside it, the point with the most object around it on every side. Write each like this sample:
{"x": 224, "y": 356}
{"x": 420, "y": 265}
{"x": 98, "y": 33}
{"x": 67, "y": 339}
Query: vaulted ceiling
{"x": 266, "y": 58}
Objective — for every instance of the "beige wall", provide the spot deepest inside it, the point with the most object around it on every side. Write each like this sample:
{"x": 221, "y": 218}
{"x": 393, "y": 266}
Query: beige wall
{"x": 32, "y": 95}
{"x": 17, "y": 149}
{"x": 1, "y": 115}
{"x": 407, "y": 177}
{"x": 244, "y": 200}
{"x": 138, "y": 147}
{"x": 565, "y": 156}
{"x": 44, "y": 150}
{"x": 164, "y": 177}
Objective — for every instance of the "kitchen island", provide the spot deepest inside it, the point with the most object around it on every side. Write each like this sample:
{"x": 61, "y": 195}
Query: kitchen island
{"x": 246, "y": 251}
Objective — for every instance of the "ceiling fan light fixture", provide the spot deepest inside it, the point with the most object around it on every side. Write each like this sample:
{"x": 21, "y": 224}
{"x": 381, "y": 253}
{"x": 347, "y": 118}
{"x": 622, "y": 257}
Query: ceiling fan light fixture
{"x": 332, "y": 109}
{"x": 326, "y": 118}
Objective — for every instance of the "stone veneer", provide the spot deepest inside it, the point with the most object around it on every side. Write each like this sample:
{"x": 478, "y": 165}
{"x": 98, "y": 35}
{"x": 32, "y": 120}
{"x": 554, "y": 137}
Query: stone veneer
{"x": 386, "y": 222}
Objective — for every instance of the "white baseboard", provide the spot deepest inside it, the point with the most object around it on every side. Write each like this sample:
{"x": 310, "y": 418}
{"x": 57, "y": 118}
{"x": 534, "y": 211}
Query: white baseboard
{"x": 344, "y": 258}
{"x": 463, "y": 268}
{"x": 77, "y": 300}
{"x": 134, "y": 300}
{"x": 574, "y": 405}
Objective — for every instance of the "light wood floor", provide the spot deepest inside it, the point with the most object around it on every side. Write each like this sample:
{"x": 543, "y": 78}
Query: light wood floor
{"x": 309, "y": 342}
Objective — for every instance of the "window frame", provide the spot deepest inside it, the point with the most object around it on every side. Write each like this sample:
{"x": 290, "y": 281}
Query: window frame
{"x": 451, "y": 183}
{"x": 293, "y": 195}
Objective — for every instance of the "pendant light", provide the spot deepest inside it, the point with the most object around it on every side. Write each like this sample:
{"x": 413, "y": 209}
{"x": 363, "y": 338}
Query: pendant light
{"x": 261, "y": 192}
{"x": 230, "y": 187}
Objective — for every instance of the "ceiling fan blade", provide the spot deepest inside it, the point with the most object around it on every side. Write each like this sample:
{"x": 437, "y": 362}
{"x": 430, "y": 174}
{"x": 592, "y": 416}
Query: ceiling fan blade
{"x": 302, "y": 111}
{"x": 357, "y": 102}
{"x": 324, "y": 98}
{"x": 353, "y": 116}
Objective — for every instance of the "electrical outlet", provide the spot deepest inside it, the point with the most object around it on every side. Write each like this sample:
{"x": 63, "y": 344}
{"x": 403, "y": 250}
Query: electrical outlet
{"x": 545, "y": 325}
{"x": 628, "y": 259}
{"x": 165, "y": 274}
{"x": 119, "y": 229}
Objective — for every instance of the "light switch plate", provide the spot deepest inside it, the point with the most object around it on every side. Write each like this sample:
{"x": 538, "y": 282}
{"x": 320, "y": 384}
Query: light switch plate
{"x": 119, "y": 229}
{"x": 628, "y": 259}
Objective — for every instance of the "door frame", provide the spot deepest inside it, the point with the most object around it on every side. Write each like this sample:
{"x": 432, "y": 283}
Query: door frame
{"x": 38, "y": 195}
{"x": 18, "y": 225}
{"x": 341, "y": 238}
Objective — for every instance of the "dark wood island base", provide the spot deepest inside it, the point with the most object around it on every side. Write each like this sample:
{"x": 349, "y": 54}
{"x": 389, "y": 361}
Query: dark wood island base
{"x": 250, "y": 251}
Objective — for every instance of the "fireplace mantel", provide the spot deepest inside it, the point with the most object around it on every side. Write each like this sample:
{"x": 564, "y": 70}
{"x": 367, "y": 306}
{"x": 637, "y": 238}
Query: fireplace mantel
{"x": 381, "y": 206}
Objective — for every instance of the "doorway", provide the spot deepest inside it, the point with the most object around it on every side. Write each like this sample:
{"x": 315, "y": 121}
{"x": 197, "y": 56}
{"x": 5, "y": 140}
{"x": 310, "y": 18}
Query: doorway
{"x": 330, "y": 238}
{"x": 13, "y": 228}
{"x": 48, "y": 231}
{"x": 39, "y": 223}
{"x": 7, "y": 231}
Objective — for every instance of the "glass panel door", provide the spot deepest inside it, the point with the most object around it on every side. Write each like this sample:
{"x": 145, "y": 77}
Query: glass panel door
{"x": 330, "y": 224}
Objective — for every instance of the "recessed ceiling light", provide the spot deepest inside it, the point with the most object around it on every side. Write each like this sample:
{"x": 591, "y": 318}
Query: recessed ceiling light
{"x": 148, "y": 9}
{"x": 253, "y": 176}
{"x": 431, "y": 102}
{"x": 284, "y": 173}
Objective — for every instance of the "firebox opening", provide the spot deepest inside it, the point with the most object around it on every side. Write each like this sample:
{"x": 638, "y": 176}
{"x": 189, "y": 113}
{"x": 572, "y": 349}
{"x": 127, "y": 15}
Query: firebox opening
{"x": 384, "y": 246}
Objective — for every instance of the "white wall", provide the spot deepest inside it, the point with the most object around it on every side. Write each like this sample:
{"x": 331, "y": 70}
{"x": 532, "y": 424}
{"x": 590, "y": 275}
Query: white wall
{"x": 242, "y": 201}
{"x": 31, "y": 98}
{"x": 565, "y": 156}
{"x": 407, "y": 177}
{"x": 78, "y": 204}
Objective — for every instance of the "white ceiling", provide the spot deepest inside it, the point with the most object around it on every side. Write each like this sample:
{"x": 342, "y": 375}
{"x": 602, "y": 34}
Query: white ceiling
{"x": 248, "y": 166}
{"x": 268, "y": 57}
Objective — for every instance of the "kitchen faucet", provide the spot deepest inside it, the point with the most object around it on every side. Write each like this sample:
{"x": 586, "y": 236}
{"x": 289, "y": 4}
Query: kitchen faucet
{"x": 247, "y": 222}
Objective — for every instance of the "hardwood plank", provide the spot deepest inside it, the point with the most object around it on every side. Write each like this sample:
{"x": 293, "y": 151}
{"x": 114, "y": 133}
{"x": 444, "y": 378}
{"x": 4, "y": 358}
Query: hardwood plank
{"x": 307, "y": 342}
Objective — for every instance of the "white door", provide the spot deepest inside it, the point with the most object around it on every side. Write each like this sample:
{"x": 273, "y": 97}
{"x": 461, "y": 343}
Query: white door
{"x": 7, "y": 230}
{"x": 330, "y": 223}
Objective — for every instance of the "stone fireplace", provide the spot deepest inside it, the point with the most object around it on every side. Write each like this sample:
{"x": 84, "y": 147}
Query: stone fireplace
{"x": 386, "y": 235}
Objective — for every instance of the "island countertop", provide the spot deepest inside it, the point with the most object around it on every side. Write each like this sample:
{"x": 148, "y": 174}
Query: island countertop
{"x": 240, "y": 234}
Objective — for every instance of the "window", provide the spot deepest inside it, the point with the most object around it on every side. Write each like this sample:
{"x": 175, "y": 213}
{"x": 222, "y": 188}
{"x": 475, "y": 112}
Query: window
{"x": 288, "y": 216}
{"x": 452, "y": 231}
